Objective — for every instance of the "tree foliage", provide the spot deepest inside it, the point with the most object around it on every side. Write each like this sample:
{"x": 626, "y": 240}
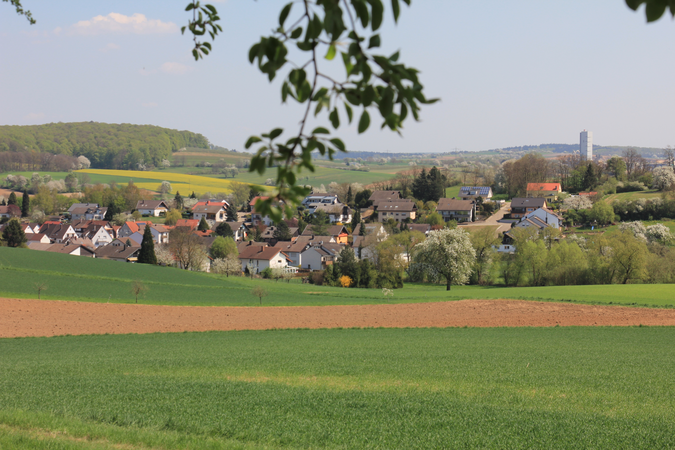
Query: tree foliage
{"x": 13, "y": 235}
{"x": 147, "y": 253}
{"x": 447, "y": 253}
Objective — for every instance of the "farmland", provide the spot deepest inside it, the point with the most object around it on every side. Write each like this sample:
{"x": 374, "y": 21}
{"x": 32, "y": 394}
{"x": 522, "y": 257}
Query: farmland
{"x": 351, "y": 388}
{"x": 633, "y": 195}
{"x": 84, "y": 279}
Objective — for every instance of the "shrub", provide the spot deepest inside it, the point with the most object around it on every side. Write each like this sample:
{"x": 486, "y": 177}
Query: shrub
{"x": 345, "y": 281}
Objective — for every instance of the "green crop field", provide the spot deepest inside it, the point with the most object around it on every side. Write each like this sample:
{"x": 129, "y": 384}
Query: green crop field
{"x": 79, "y": 278}
{"x": 351, "y": 388}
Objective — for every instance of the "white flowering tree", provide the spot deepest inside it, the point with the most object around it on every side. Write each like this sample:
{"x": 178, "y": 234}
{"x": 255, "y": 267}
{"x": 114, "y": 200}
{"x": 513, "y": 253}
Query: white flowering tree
{"x": 637, "y": 228}
{"x": 83, "y": 162}
{"x": 578, "y": 202}
{"x": 664, "y": 178}
{"x": 659, "y": 233}
{"x": 447, "y": 253}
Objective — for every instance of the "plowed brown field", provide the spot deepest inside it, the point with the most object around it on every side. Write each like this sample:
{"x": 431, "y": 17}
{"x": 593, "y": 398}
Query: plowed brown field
{"x": 21, "y": 317}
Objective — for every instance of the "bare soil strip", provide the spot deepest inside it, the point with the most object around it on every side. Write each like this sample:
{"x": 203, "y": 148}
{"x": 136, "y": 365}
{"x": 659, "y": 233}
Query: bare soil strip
{"x": 22, "y": 318}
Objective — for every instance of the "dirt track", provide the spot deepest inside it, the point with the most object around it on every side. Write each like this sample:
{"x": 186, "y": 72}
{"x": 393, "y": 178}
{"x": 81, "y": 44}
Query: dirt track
{"x": 19, "y": 318}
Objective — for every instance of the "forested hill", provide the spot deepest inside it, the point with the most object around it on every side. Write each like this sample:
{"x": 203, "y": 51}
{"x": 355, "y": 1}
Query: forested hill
{"x": 110, "y": 146}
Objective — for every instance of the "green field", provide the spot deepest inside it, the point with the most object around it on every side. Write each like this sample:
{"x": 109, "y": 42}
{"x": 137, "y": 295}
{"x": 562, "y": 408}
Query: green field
{"x": 78, "y": 278}
{"x": 368, "y": 388}
{"x": 632, "y": 195}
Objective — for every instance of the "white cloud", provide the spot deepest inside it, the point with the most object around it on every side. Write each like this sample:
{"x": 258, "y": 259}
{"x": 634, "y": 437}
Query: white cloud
{"x": 149, "y": 105}
{"x": 119, "y": 23}
{"x": 108, "y": 48}
{"x": 34, "y": 116}
{"x": 175, "y": 68}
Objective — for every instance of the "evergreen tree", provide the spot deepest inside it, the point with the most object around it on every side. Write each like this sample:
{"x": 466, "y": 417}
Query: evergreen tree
{"x": 179, "y": 201}
{"x": 232, "y": 215}
{"x": 193, "y": 195}
{"x": 356, "y": 219}
{"x": 350, "y": 197}
{"x": 12, "y": 199}
{"x": 13, "y": 234}
{"x": 436, "y": 185}
{"x": 282, "y": 232}
{"x": 362, "y": 230}
{"x": 147, "y": 253}
{"x": 3, "y": 203}
{"x": 25, "y": 204}
{"x": 420, "y": 186}
{"x": 112, "y": 211}
{"x": 203, "y": 225}
{"x": 301, "y": 225}
{"x": 225, "y": 230}
{"x": 590, "y": 179}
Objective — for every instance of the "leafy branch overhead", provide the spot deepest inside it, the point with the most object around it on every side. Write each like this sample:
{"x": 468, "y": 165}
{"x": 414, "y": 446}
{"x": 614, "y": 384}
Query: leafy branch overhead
{"x": 654, "y": 9}
{"x": 203, "y": 21}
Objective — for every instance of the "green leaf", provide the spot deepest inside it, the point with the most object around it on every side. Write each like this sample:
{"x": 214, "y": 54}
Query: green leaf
{"x": 338, "y": 144}
{"x": 374, "y": 41}
{"x": 252, "y": 140}
{"x": 396, "y": 8}
{"x": 348, "y": 63}
{"x": 284, "y": 14}
{"x": 364, "y": 123}
{"x": 368, "y": 95}
{"x": 320, "y": 130}
{"x": 361, "y": 11}
{"x": 350, "y": 113}
{"x": 276, "y": 133}
{"x": 334, "y": 118}
{"x": 377, "y": 11}
{"x": 654, "y": 11}
{"x": 296, "y": 33}
{"x": 331, "y": 52}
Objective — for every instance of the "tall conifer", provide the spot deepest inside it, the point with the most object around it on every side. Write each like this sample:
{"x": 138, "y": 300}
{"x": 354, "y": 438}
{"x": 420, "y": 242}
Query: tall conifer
{"x": 147, "y": 253}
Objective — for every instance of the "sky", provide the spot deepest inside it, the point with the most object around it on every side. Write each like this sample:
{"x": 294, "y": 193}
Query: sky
{"x": 508, "y": 73}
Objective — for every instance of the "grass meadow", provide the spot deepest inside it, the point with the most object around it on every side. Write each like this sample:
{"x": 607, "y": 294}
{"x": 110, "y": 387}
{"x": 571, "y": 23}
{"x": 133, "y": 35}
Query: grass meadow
{"x": 633, "y": 195}
{"x": 96, "y": 280}
{"x": 344, "y": 388}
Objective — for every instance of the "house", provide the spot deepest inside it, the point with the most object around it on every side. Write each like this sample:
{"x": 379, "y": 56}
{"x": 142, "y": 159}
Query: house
{"x": 313, "y": 200}
{"x": 58, "y": 233}
{"x": 153, "y": 208}
{"x": 119, "y": 251}
{"x": 69, "y": 249}
{"x": 459, "y": 210}
{"x": 256, "y": 217}
{"x": 36, "y": 238}
{"x": 79, "y": 206}
{"x": 384, "y": 196}
{"x": 473, "y": 192}
{"x": 239, "y": 230}
{"x": 520, "y": 207}
{"x": 213, "y": 213}
{"x": 338, "y": 232}
{"x": 160, "y": 234}
{"x": 361, "y": 245}
{"x": 87, "y": 213}
{"x": 10, "y": 211}
{"x": 268, "y": 234}
{"x": 258, "y": 258}
{"x": 421, "y": 227}
{"x": 98, "y": 234}
{"x": 242, "y": 246}
{"x": 372, "y": 229}
{"x": 128, "y": 229}
{"x": 336, "y": 213}
{"x": 399, "y": 210}
{"x": 534, "y": 221}
{"x": 546, "y": 190}
{"x": 547, "y": 216}
{"x": 187, "y": 223}
{"x": 320, "y": 255}
{"x": 293, "y": 250}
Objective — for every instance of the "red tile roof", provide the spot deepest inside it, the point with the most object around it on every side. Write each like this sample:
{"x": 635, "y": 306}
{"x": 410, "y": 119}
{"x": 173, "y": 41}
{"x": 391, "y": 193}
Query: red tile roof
{"x": 543, "y": 186}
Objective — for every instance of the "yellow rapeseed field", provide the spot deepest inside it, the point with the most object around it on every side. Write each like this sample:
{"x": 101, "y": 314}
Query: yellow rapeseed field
{"x": 179, "y": 182}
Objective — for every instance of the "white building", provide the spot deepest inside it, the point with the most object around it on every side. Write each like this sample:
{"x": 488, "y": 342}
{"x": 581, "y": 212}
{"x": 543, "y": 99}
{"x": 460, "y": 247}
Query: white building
{"x": 586, "y": 145}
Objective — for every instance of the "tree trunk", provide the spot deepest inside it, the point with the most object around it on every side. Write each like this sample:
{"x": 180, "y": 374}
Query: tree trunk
{"x": 449, "y": 280}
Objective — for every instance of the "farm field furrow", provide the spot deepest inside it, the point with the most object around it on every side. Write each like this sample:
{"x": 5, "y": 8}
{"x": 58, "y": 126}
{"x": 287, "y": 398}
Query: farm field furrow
{"x": 369, "y": 388}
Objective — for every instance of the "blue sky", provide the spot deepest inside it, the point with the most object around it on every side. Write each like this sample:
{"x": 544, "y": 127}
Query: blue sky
{"x": 508, "y": 73}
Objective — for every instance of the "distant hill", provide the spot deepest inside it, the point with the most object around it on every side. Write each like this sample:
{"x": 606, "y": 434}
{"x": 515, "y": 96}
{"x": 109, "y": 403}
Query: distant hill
{"x": 598, "y": 150}
{"x": 108, "y": 146}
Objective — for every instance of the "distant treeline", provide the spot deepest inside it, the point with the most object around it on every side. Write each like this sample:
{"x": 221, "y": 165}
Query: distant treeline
{"x": 107, "y": 146}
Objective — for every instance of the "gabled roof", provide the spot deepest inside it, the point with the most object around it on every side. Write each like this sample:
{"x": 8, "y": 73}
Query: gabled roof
{"x": 397, "y": 205}
{"x": 212, "y": 208}
{"x": 188, "y": 223}
{"x": 255, "y": 199}
{"x": 449, "y": 204}
{"x": 259, "y": 253}
{"x": 530, "y": 202}
{"x": 384, "y": 195}
{"x": 151, "y": 204}
{"x": 421, "y": 227}
{"x": 82, "y": 205}
{"x": 241, "y": 246}
{"x": 11, "y": 210}
{"x": 543, "y": 187}
{"x": 120, "y": 251}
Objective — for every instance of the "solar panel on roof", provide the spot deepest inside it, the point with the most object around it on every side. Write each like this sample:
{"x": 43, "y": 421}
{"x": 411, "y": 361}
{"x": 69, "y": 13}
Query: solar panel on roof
{"x": 475, "y": 190}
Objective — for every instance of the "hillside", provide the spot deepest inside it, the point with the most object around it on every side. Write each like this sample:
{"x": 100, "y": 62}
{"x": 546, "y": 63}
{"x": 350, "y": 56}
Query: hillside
{"x": 110, "y": 146}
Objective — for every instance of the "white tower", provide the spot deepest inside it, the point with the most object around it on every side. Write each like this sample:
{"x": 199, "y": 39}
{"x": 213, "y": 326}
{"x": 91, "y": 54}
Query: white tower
{"x": 586, "y": 145}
